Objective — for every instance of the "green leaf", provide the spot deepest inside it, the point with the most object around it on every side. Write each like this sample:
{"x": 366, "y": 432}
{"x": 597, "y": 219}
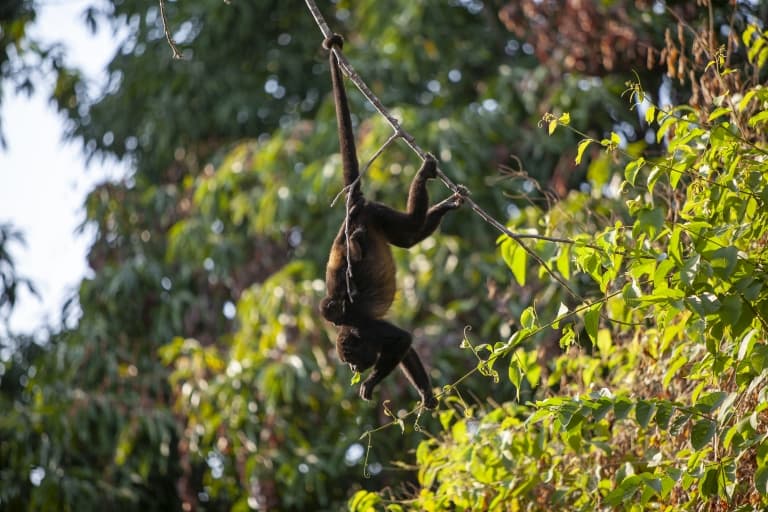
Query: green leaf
{"x": 603, "y": 407}
{"x": 665, "y": 126}
{"x": 708, "y": 402}
{"x": 563, "y": 261}
{"x": 519, "y": 263}
{"x": 625, "y": 491}
{"x": 531, "y": 366}
{"x": 762, "y": 57}
{"x": 754, "y": 49}
{"x": 709, "y": 485}
{"x": 604, "y": 341}
{"x": 621, "y": 408}
{"x": 747, "y": 344}
{"x": 592, "y": 321}
{"x": 643, "y": 412}
{"x": 515, "y": 257}
{"x": 664, "y": 412}
{"x": 723, "y": 261}
{"x": 566, "y": 412}
{"x": 679, "y": 422}
{"x": 364, "y": 500}
{"x": 702, "y": 433}
{"x": 746, "y": 99}
{"x": 761, "y": 480}
{"x": 667, "y": 484}
{"x": 528, "y": 318}
{"x": 515, "y": 373}
{"x": 652, "y": 482}
{"x": 567, "y": 337}
{"x": 632, "y": 169}
{"x": 759, "y": 358}
{"x": 690, "y": 270}
{"x": 673, "y": 248}
{"x": 653, "y": 177}
{"x": 677, "y": 172}
{"x": 649, "y": 221}
{"x": 719, "y": 112}
{"x": 760, "y": 117}
{"x": 446, "y": 416}
{"x": 600, "y": 170}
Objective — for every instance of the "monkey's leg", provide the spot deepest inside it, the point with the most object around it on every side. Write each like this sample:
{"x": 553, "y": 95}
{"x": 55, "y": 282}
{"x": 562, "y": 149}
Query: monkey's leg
{"x": 401, "y": 228}
{"x": 414, "y": 370}
{"x": 391, "y": 343}
{"x": 418, "y": 197}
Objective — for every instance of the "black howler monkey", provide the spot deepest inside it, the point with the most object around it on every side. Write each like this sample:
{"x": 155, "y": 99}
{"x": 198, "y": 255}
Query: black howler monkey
{"x": 358, "y": 304}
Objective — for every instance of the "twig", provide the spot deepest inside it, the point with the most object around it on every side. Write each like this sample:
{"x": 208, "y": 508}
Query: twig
{"x": 176, "y": 52}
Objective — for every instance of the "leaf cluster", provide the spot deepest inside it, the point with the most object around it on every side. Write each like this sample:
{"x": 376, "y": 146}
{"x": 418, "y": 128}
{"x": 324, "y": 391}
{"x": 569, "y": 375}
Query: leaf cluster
{"x": 660, "y": 397}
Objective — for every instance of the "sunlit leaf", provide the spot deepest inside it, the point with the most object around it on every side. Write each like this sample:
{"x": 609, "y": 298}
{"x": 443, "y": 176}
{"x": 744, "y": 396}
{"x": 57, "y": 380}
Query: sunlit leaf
{"x": 583, "y": 145}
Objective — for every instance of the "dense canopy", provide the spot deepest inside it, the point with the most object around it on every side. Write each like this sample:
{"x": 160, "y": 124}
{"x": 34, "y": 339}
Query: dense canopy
{"x": 611, "y": 354}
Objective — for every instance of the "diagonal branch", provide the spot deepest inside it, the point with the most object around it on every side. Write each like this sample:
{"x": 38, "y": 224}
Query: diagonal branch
{"x": 174, "y": 49}
{"x": 411, "y": 142}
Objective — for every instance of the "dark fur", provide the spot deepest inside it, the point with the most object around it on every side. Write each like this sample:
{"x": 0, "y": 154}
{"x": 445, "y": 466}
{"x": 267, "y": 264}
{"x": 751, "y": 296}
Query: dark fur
{"x": 365, "y": 340}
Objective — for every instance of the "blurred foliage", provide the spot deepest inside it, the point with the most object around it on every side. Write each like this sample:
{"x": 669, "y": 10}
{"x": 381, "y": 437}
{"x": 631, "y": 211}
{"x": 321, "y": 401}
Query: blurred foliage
{"x": 10, "y": 280}
{"x": 15, "y": 15}
{"x": 199, "y": 375}
{"x": 27, "y": 63}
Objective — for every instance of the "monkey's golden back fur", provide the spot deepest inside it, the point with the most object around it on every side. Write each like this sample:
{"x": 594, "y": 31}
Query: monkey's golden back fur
{"x": 373, "y": 276}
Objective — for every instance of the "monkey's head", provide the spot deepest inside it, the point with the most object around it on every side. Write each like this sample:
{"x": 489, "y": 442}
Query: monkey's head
{"x": 332, "y": 310}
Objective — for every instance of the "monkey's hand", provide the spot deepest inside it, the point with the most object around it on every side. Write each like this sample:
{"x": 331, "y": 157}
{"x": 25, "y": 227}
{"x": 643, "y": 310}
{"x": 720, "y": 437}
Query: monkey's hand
{"x": 357, "y": 244}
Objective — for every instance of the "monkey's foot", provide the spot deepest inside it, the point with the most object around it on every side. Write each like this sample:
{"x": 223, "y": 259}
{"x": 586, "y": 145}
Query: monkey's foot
{"x": 429, "y": 402}
{"x": 429, "y": 167}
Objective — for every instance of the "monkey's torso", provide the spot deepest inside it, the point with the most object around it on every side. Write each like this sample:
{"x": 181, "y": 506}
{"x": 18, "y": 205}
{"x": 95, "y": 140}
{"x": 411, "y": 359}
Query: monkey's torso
{"x": 373, "y": 269}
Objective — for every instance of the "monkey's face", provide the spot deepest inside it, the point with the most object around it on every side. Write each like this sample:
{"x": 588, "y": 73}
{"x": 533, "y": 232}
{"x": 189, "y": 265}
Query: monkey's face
{"x": 332, "y": 310}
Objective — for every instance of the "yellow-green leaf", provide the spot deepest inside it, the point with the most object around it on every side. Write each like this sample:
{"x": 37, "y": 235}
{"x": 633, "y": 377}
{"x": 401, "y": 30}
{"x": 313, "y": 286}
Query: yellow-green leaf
{"x": 551, "y": 127}
{"x": 582, "y": 147}
{"x": 718, "y": 112}
{"x": 650, "y": 114}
